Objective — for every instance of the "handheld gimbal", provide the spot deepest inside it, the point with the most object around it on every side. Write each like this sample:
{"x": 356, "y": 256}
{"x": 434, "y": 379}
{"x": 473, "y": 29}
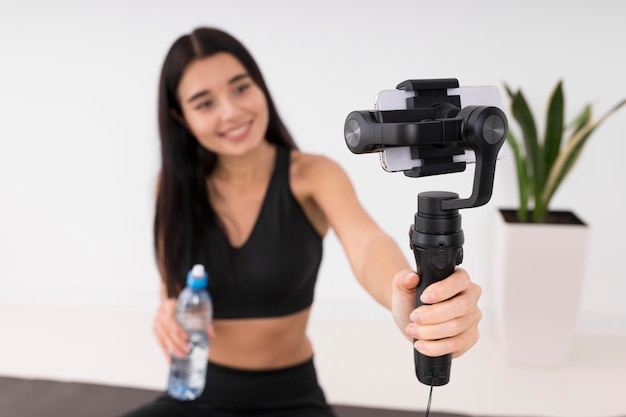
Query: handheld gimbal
{"x": 428, "y": 131}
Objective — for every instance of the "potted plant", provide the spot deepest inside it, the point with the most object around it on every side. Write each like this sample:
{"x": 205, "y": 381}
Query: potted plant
{"x": 542, "y": 165}
{"x": 540, "y": 254}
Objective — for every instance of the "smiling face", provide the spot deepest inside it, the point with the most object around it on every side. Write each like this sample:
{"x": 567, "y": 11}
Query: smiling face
{"x": 222, "y": 105}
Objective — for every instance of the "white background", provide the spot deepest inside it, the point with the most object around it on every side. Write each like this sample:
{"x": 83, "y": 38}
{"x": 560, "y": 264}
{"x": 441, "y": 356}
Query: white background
{"x": 79, "y": 154}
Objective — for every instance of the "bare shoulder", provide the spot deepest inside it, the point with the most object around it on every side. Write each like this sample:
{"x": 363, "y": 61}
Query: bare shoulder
{"x": 321, "y": 179}
{"x": 318, "y": 177}
{"x": 315, "y": 169}
{"x": 319, "y": 184}
{"x": 323, "y": 182}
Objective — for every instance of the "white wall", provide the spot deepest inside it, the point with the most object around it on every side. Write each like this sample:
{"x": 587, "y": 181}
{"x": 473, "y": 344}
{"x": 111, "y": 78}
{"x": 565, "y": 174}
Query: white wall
{"x": 79, "y": 149}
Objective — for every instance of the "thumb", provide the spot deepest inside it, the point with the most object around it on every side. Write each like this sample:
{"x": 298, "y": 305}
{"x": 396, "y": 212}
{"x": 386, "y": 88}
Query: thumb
{"x": 406, "y": 281}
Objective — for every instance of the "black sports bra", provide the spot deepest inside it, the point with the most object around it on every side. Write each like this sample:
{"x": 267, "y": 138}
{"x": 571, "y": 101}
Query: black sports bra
{"x": 274, "y": 272}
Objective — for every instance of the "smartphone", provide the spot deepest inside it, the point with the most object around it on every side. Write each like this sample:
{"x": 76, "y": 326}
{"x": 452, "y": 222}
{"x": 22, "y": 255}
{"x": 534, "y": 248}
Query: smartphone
{"x": 397, "y": 159}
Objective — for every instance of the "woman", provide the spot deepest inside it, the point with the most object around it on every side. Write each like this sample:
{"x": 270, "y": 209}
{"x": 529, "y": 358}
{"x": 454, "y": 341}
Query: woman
{"x": 236, "y": 195}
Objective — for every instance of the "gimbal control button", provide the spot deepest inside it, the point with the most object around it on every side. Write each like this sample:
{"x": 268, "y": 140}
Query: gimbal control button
{"x": 441, "y": 258}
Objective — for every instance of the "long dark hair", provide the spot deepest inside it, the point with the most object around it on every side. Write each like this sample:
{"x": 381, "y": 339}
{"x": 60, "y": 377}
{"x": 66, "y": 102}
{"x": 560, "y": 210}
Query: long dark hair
{"x": 182, "y": 204}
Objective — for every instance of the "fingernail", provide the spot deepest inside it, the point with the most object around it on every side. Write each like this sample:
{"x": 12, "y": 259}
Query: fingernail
{"x": 427, "y": 298}
{"x": 418, "y": 345}
{"x": 415, "y": 317}
{"x": 410, "y": 331}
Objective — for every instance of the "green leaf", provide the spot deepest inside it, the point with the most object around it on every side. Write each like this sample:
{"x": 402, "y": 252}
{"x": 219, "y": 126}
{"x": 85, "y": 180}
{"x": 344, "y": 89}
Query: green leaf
{"x": 565, "y": 167}
{"x": 570, "y": 154}
{"x": 535, "y": 163}
{"x": 554, "y": 126}
{"x": 581, "y": 120}
{"x": 510, "y": 92}
{"x": 523, "y": 184}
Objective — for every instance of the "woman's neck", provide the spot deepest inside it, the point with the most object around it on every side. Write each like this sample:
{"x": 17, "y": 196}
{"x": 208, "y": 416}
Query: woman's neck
{"x": 246, "y": 169}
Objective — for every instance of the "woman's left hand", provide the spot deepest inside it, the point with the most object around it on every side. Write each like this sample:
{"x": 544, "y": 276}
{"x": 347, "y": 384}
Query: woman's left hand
{"x": 448, "y": 322}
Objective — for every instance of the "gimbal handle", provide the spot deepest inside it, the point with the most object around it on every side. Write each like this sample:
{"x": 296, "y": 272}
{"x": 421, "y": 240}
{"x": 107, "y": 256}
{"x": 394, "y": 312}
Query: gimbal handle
{"x": 437, "y": 241}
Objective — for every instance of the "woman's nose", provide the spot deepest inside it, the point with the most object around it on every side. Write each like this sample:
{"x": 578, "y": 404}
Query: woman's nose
{"x": 228, "y": 108}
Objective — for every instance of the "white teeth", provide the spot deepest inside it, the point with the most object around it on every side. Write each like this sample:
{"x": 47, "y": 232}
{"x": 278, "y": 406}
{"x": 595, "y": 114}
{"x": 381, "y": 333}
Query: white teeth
{"x": 236, "y": 132}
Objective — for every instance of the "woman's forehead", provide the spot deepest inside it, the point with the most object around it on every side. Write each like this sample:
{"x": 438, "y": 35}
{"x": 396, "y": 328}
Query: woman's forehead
{"x": 210, "y": 73}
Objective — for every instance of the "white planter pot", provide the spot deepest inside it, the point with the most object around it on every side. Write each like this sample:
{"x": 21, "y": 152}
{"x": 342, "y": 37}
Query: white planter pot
{"x": 538, "y": 272}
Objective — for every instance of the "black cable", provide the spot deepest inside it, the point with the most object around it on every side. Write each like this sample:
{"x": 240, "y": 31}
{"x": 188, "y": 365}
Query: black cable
{"x": 430, "y": 398}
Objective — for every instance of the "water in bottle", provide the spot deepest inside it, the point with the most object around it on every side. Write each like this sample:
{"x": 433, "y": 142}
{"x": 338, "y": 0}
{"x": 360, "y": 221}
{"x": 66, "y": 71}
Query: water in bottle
{"x": 194, "y": 311}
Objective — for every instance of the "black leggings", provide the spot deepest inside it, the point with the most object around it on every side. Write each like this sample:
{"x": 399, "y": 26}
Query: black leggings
{"x": 288, "y": 392}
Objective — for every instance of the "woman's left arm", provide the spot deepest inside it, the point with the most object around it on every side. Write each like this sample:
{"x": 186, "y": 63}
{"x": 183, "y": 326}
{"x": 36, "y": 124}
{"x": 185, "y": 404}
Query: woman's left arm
{"x": 449, "y": 321}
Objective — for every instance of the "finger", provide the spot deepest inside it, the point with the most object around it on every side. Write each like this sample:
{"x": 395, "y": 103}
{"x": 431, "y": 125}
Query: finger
{"x": 463, "y": 304}
{"x": 447, "y": 288}
{"x": 177, "y": 344}
{"x": 158, "y": 332}
{"x": 168, "y": 318}
{"x": 170, "y": 348}
{"x": 406, "y": 281}
{"x": 175, "y": 331}
{"x": 456, "y": 345}
{"x": 450, "y": 328}
{"x": 166, "y": 353}
{"x": 171, "y": 336}
{"x": 403, "y": 296}
{"x": 469, "y": 341}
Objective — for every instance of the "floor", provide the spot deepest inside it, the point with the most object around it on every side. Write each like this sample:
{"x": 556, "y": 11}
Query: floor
{"x": 359, "y": 363}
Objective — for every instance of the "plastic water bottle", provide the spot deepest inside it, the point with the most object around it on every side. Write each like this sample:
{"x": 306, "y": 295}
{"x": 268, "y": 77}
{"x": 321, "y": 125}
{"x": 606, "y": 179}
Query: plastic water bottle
{"x": 194, "y": 311}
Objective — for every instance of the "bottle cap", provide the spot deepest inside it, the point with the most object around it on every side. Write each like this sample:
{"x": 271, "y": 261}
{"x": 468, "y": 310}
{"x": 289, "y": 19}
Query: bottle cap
{"x": 197, "y": 277}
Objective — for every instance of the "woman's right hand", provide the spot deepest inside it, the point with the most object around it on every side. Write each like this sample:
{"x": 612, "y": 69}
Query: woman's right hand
{"x": 170, "y": 335}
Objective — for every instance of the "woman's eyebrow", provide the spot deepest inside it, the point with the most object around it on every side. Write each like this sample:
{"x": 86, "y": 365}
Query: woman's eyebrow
{"x": 238, "y": 78}
{"x": 198, "y": 95}
{"x": 207, "y": 92}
